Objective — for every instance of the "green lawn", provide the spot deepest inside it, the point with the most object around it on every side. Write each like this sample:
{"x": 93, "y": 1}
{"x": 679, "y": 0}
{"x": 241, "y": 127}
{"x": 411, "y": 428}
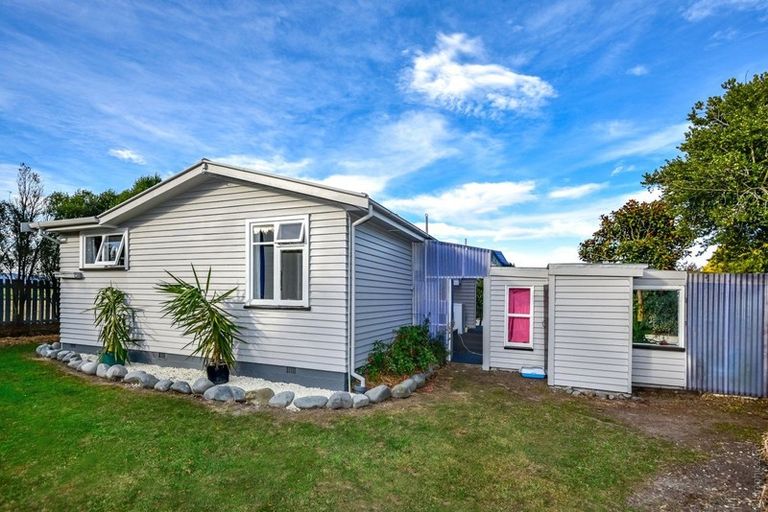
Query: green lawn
{"x": 67, "y": 443}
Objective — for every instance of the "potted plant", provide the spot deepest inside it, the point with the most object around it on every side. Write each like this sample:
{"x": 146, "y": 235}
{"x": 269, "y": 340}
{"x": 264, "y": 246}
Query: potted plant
{"x": 199, "y": 314}
{"x": 114, "y": 318}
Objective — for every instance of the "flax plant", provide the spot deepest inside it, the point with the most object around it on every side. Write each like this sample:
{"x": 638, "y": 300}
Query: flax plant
{"x": 198, "y": 312}
{"x": 114, "y": 317}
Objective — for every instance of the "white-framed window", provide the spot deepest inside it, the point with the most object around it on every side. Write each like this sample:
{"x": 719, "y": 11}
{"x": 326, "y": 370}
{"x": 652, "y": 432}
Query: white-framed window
{"x": 278, "y": 261}
{"x": 518, "y": 305}
{"x": 105, "y": 250}
{"x": 658, "y": 316}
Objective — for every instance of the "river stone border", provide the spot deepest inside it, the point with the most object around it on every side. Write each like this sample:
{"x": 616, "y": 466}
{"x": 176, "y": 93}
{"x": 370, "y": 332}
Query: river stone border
{"x": 202, "y": 387}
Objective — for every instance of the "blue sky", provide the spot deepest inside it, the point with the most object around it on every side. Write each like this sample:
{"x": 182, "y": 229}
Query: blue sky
{"x": 513, "y": 124}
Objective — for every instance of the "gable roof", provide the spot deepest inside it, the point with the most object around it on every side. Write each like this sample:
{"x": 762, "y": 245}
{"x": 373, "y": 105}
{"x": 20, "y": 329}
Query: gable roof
{"x": 186, "y": 179}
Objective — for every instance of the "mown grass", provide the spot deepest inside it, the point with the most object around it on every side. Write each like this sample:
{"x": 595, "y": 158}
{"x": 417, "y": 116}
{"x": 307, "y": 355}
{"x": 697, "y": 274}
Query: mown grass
{"x": 67, "y": 443}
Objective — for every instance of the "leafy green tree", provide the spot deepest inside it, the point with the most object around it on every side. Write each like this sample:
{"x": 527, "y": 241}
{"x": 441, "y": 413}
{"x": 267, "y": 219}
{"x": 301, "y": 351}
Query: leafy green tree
{"x": 718, "y": 186}
{"x": 639, "y": 233}
{"x": 84, "y": 203}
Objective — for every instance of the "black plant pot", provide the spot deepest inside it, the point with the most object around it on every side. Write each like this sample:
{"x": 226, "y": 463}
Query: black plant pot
{"x": 218, "y": 374}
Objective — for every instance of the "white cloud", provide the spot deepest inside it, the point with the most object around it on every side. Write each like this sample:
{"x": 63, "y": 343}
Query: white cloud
{"x": 621, "y": 169}
{"x": 467, "y": 199}
{"x": 471, "y": 87}
{"x": 127, "y": 155}
{"x": 397, "y": 147}
{"x": 275, "y": 164}
{"x": 614, "y": 129}
{"x": 506, "y": 228}
{"x": 701, "y": 9}
{"x": 370, "y": 185}
{"x": 638, "y": 70}
{"x": 654, "y": 143}
{"x": 575, "y": 192}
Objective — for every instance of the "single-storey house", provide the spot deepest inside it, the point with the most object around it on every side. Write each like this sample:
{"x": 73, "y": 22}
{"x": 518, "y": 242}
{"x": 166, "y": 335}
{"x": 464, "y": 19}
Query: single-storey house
{"x": 321, "y": 273}
{"x": 606, "y": 327}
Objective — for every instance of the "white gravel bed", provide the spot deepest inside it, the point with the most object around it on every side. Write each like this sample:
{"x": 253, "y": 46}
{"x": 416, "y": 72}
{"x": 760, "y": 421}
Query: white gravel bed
{"x": 247, "y": 383}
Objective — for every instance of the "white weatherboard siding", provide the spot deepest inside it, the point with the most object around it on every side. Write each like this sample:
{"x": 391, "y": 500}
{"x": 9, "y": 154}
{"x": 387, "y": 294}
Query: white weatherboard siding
{"x": 496, "y": 321}
{"x": 206, "y": 226}
{"x": 658, "y": 368}
{"x": 383, "y": 286}
{"x": 592, "y": 332}
{"x": 466, "y": 294}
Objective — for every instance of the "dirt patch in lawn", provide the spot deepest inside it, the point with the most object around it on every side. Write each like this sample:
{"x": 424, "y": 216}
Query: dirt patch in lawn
{"x": 725, "y": 430}
{"x": 37, "y": 340}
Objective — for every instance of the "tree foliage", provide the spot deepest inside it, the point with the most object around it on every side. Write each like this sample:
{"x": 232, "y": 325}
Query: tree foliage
{"x": 84, "y": 203}
{"x": 638, "y": 232}
{"x": 719, "y": 185}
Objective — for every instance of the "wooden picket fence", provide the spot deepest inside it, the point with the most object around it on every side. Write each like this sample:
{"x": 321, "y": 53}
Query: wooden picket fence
{"x": 39, "y": 306}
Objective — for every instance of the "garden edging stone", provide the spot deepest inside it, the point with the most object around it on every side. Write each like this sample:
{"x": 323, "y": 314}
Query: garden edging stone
{"x": 281, "y": 400}
{"x": 201, "y": 385}
{"x": 310, "y": 402}
{"x": 181, "y": 386}
{"x": 378, "y": 394}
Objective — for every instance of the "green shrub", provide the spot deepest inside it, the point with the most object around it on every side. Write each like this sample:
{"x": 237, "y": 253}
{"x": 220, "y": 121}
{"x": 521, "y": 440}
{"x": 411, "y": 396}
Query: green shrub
{"x": 411, "y": 351}
{"x": 199, "y": 313}
{"x": 114, "y": 318}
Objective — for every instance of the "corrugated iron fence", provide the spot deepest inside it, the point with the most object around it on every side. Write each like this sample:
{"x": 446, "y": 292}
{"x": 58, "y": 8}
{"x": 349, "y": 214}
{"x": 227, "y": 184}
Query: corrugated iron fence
{"x": 726, "y": 334}
{"x": 35, "y": 302}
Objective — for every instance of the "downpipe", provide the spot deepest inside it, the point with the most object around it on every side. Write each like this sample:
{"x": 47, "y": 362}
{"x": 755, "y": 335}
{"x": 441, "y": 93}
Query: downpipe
{"x": 353, "y": 303}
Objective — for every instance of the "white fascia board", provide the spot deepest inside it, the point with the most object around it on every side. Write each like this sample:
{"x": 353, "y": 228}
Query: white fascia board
{"x": 65, "y": 224}
{"x": 597, "y": 269}
{"x": 522, "y": 272}
{"x": 665, "y": 274}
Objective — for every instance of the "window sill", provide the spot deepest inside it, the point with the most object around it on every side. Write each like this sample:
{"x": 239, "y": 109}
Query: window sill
{"x": 650, "y": 346}
{"x": 277, "y": 306}
{"x": 529, "y": 349}
{"x": 84, "y": 269}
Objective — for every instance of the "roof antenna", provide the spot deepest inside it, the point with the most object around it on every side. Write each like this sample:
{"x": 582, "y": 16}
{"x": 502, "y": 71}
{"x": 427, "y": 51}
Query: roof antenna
{"x": 426, "y": 222}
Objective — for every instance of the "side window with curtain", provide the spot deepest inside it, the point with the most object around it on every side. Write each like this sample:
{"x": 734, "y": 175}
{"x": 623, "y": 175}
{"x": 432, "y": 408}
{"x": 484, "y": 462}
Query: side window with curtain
{"x": 278, "y": 262}
{"x": 519, "y": 318}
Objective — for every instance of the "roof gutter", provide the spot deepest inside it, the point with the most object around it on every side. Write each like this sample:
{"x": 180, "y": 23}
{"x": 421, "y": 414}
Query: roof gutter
{"x": 352, "y": 302}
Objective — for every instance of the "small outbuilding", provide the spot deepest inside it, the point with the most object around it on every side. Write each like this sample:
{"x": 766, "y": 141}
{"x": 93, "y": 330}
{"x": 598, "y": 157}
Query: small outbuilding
{"x": 605, "y": 327}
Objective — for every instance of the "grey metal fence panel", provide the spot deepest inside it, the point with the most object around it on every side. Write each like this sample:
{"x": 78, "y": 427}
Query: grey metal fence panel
{"x": 726, "y": 334}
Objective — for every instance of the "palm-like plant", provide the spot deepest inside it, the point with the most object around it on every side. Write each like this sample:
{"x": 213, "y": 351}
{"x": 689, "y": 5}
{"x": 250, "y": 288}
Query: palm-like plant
{"x": 115, "y": 319}
{"x": 201, "y": 315}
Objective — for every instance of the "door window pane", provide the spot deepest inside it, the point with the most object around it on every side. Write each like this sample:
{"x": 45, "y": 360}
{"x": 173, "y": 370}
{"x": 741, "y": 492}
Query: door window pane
{"x": 292, "y": 268}
{"x": 263, "y": 272}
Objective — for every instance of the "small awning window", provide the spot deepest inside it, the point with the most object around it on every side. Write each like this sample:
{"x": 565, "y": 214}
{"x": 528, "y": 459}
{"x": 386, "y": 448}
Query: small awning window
{"x": 290, "y": 232}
